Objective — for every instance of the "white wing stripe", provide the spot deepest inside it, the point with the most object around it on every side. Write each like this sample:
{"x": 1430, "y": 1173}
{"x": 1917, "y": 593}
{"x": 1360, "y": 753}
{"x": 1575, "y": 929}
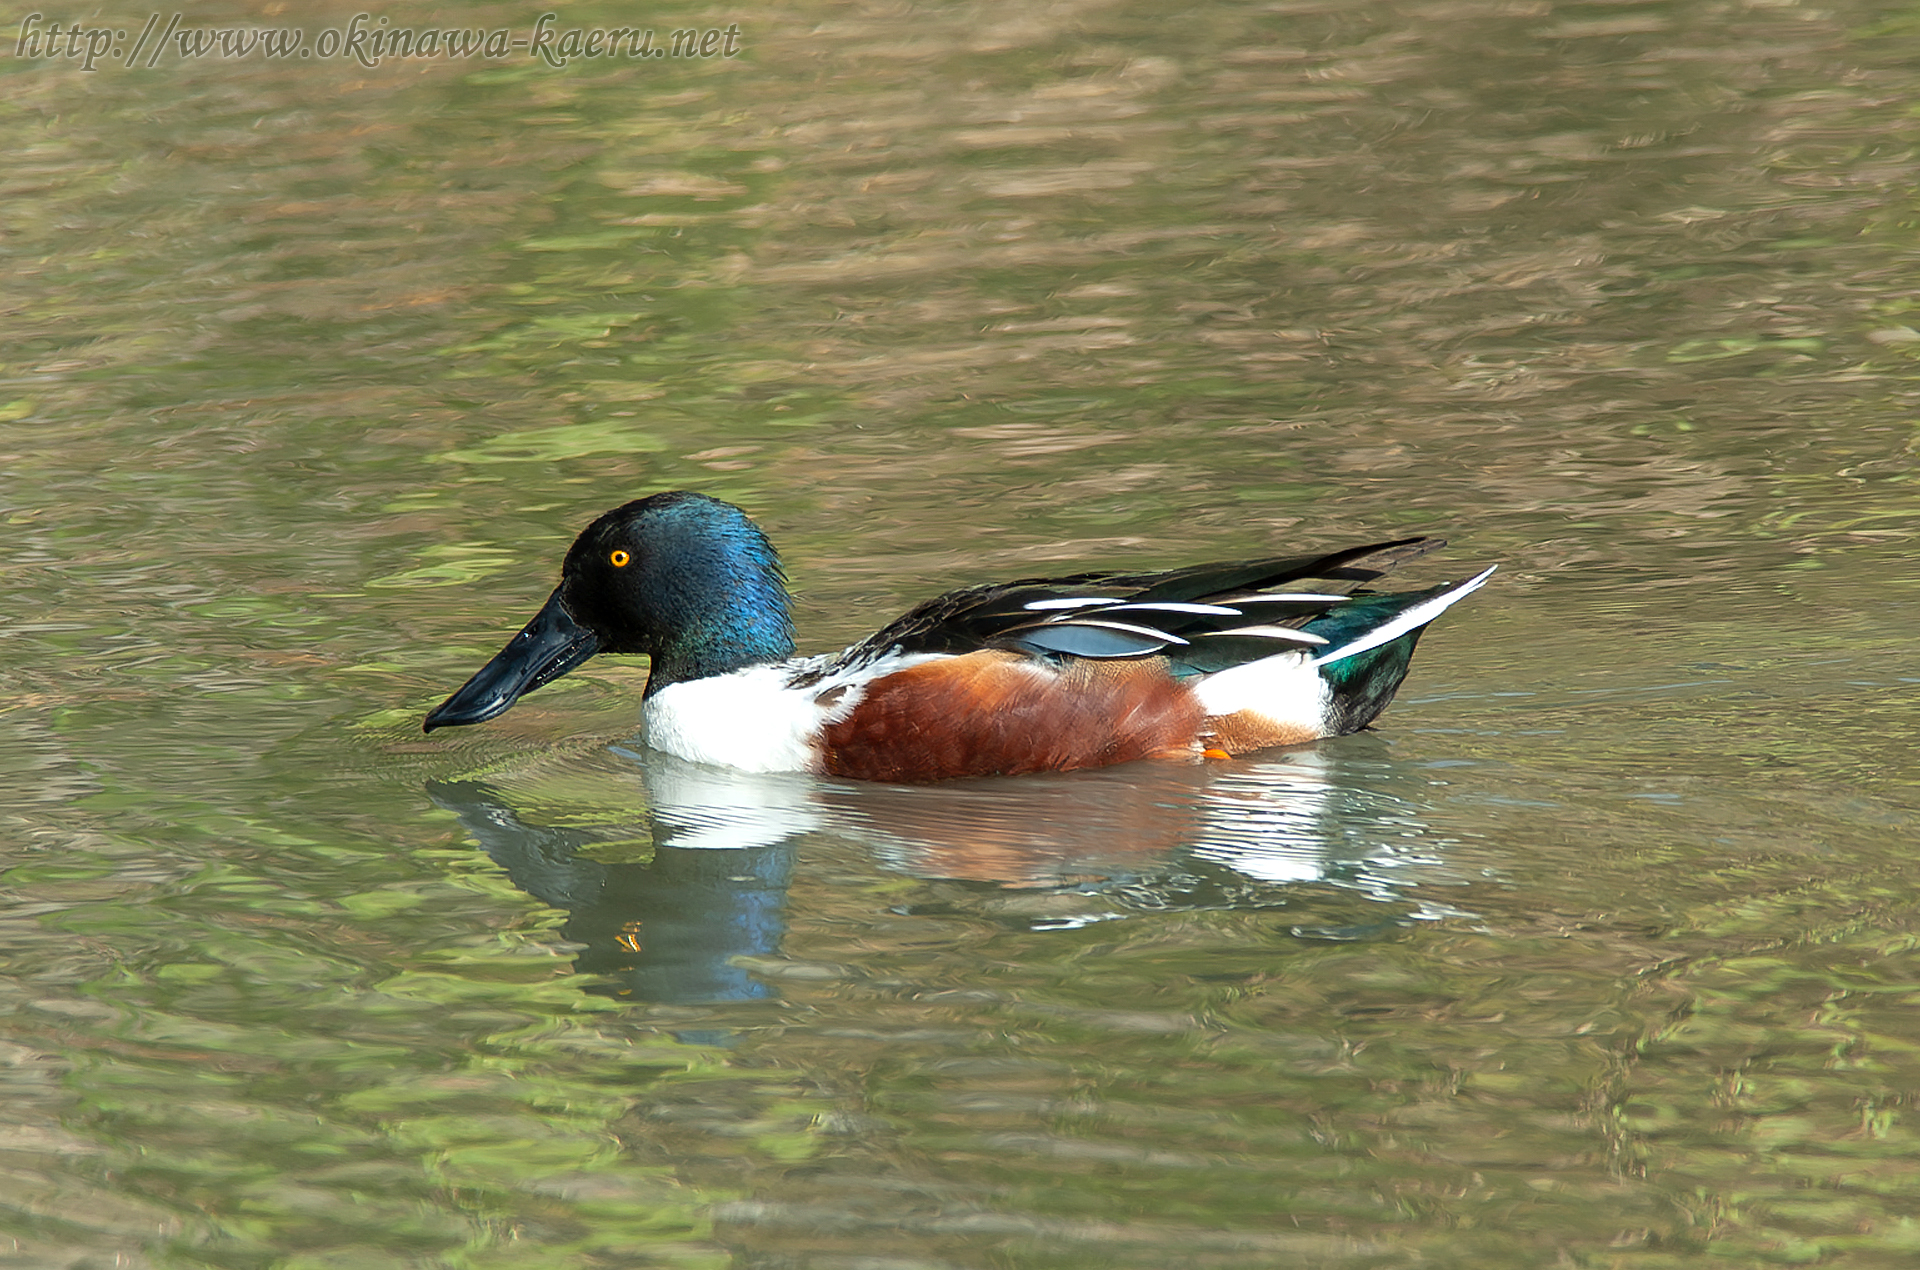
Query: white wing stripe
{"x": 1419, "y": 615}
{"x": 1269, "y": 632}
{"x": 1063, "y": 602}
{"x": 1175, "y": 606}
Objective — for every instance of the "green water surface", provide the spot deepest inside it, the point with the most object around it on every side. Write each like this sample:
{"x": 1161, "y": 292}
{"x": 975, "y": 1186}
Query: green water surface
{"x": 1601, "y": 951}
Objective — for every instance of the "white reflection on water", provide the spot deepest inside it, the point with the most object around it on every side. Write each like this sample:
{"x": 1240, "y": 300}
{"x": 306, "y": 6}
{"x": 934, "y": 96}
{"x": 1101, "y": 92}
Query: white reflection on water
{"x": 1060, "y": 851}
{"x": 1286, "y": 818}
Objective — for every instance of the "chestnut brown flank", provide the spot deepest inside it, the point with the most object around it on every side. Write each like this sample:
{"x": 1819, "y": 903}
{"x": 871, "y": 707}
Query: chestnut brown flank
{"x": 999, "y": 714}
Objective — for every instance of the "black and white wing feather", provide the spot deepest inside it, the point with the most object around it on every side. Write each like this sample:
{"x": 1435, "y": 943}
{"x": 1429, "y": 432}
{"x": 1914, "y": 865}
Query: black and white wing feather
{"x": 1203, "y": 618}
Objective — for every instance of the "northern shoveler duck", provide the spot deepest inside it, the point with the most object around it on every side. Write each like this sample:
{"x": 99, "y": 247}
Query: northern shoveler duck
{"x": 1033, "y": 675}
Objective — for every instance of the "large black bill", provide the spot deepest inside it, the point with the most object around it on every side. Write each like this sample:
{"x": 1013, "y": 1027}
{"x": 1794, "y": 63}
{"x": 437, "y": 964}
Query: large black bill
{"x": 551, "y": 645}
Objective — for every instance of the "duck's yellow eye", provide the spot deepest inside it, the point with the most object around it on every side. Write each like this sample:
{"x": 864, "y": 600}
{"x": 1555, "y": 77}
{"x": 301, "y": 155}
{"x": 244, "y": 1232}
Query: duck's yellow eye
{"x": 619, "y": 558}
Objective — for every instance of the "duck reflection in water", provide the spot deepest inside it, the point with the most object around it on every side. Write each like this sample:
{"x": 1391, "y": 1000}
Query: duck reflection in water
{"x": 687, "y": 924}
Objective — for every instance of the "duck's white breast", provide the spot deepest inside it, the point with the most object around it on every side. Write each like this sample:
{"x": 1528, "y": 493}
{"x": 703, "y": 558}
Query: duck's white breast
{"x": 756, "y": 719}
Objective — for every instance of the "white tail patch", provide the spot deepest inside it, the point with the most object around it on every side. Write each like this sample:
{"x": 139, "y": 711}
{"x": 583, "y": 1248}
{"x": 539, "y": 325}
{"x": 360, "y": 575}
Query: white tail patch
{"x": 1284, "y": 689}
{"x": 1410, "y": 619}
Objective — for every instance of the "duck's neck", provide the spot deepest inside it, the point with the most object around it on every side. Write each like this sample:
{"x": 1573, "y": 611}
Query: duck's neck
{"x": 730, "y": 612}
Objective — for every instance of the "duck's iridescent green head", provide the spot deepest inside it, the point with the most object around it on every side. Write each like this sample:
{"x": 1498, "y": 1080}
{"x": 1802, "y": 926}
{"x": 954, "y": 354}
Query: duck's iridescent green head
{"x": 684, "y": 578}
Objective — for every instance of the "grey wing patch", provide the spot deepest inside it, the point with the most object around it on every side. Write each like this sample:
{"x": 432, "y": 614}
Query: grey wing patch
{"x": 1090, "y": 639}
{"x": 1089, "y": 626}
